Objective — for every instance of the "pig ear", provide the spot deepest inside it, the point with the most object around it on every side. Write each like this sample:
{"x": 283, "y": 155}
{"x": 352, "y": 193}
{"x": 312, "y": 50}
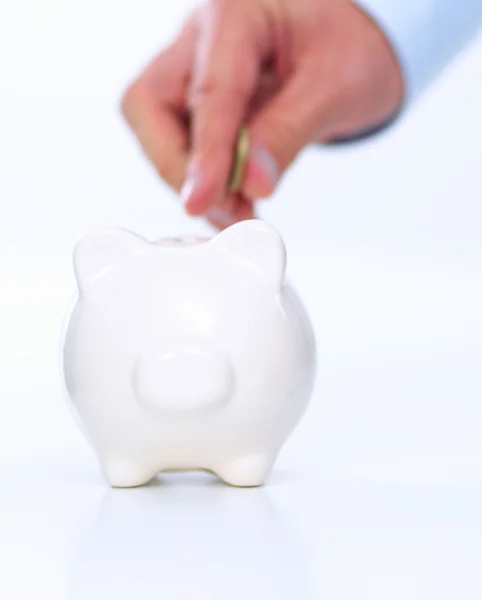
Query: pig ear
{"x": 257, "y": 244}
{"x": 100, "y": 250}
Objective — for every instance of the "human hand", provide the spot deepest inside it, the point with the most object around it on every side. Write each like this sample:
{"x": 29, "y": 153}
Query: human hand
{"x": 295, "y": 71}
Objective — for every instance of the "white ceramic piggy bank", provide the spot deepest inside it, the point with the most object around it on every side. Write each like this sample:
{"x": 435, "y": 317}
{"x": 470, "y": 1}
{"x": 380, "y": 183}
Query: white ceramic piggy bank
{"x": 187, "y": 354}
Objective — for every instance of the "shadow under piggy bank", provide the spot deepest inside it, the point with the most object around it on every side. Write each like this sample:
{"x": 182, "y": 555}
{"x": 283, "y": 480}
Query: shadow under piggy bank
{"x": 189, "y": 539}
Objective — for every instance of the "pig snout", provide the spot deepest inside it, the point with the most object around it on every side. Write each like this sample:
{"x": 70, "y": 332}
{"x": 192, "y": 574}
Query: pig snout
{"x": 183, "y": 375}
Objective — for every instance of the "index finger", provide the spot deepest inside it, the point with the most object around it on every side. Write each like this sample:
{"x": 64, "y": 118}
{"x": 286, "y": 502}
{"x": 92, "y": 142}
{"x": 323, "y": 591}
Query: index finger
{"x": 228, "y": 59}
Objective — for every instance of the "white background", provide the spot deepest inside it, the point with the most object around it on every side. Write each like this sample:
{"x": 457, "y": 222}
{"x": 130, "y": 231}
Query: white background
{"x": 378, "y": 493}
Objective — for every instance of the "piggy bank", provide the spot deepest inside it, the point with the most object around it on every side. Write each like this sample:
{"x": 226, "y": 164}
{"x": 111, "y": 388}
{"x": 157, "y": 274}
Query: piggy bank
{"x": 187, "y": 353}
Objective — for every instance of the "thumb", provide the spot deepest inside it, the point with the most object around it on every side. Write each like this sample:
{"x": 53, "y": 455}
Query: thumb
{"x": 279, "y": 132}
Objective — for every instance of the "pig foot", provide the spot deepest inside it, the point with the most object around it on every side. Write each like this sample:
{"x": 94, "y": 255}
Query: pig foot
{"x": 248, "y": 471}
{"x": 126, "y": 472}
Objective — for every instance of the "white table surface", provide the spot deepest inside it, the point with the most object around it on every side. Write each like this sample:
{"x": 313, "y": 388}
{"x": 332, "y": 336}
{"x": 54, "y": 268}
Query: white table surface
{"x": 377, "y": 495}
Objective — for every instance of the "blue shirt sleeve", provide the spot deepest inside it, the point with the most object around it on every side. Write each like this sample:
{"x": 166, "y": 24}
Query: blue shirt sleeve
{"x": 425, "y": 34}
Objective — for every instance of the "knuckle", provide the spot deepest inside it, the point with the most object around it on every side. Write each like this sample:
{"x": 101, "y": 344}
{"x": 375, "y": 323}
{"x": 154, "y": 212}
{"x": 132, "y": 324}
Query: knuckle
{"x": 216, "y": 5}
{"x": 169, "y": 172}
{"x": 205, "y": 87}
{"x": 288, "y": 138}
{"x": 213, "y": 87}
{"x": 131, "y": 99}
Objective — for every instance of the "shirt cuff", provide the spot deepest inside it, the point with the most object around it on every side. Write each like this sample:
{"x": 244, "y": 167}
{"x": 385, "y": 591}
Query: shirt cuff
{"x": 425, "y": 34}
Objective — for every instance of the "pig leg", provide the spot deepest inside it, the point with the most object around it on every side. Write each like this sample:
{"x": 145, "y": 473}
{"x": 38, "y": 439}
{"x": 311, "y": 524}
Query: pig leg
{"x": 126, "y": 472}
{"x": 250, "y": 470}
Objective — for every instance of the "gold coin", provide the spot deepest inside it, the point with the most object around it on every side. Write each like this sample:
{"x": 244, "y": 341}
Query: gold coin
{"x": 241, "y": 154}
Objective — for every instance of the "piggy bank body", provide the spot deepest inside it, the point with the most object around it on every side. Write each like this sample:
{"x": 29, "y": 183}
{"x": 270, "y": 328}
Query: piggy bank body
{"x": 187, "y": 354}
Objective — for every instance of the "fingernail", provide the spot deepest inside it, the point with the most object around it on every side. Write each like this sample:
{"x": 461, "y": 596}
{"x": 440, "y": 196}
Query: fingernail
{"x": 266, "y": 162}
{"x": 220, "y": 216}
{"x": 189, "y": 183}
{"x": 187, "y": 189}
